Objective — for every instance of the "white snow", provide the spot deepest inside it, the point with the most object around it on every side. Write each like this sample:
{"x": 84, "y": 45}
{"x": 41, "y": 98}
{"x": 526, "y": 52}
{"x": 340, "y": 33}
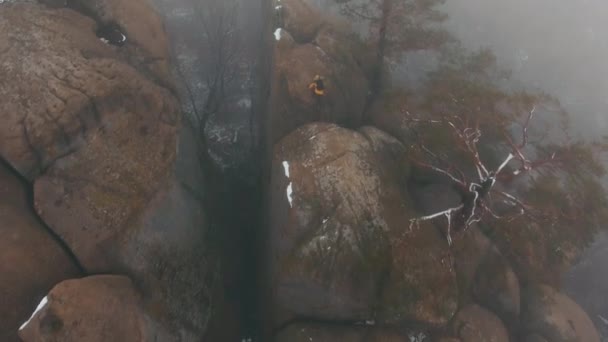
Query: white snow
{"x": 40, "y": 306}
{"x": 289, "y": 193}
{"x": 286, "y": 168}
{"x": 277, "y": 34}
{"x": 245, "y": 102}
{"x": 505, "y": 162}
{"x": 420, "y": 337}
{"x": 104, "y": 40}
{"x": 278, "y": 8}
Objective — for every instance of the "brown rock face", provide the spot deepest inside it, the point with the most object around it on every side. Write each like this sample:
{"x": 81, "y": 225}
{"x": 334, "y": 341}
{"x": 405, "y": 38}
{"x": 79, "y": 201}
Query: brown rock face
{"x": 476, "y": 324}
{"x": 147, "y": 43}
{"x": 555, "y": 316}
{"x": 92, "y": 309}
{"x": 328, "y": 333}
{"x": 96, "y": 132}
{"x": 339, "y": 231}
{"x": 31, "y": 261}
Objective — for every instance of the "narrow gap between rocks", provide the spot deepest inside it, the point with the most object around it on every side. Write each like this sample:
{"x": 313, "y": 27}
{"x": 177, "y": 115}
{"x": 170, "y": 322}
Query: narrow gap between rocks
{"x": 30, "y": 201}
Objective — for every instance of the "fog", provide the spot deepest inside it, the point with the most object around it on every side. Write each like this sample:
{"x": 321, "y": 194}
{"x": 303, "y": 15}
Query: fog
{"x": 558, "y": 46}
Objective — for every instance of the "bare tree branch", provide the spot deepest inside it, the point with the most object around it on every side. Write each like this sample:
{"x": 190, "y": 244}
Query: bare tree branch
{"x": 477, "y": 197}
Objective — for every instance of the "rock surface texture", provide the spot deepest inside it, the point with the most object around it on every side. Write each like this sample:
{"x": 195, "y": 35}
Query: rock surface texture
{"x": 94, "y": 128}
{"x": 341, "y": 246}
{"x": 475, "y": 324}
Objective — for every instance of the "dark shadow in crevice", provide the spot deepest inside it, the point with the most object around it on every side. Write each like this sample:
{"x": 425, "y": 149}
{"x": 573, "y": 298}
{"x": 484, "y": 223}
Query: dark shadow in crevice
{"x": 111, "y": 33}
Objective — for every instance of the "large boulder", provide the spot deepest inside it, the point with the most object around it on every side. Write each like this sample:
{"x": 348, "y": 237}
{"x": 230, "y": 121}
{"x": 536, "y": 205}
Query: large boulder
{"x": 339, "y": 232}
{"x": 555, "y": 316}
{"x": 147, "y": 45}
{"x": 67, "y": 93}
{"x": 476, "y": 324}
{"x": 92, "y": 309}
{"x": 32, "y": 261}
{"x": 300, "y": 19}
{"x": 98, "y": 138}
{"x": 497, "y": 287}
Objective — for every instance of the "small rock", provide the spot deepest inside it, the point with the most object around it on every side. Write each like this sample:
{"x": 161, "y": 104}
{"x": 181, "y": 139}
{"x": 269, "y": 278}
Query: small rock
{"x": 476, "y": 324}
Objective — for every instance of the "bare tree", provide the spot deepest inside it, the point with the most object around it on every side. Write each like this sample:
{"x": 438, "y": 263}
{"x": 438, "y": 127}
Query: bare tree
{"x": 214, "y": 38}
{"x": 479, "y": 192}
{"x": 396, "y": 26}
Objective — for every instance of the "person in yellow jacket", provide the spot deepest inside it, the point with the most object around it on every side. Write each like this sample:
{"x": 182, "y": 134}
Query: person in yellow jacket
{"x": 317, "y": 86}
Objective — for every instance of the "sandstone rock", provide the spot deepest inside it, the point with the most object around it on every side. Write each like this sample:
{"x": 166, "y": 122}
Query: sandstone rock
{"x": 68, "y": 89}
{"x": 147, "y": 45}
{"x": 475, "y": 324}
{"x": 99, "y": 138}
{"x": 93, "y": 309}
{"x": 302, "y": 332}
{"x": 300, "y": 19}
{"x": 497, "y": 288}
{"x": 555, "y": 316}
{"x": 31, "y": 260}
{"x": 339, "y": 231}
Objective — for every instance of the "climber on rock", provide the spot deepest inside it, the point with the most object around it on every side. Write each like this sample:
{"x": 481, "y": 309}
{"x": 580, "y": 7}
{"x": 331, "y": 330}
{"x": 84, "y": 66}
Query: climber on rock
{"x": 317, "y": 86}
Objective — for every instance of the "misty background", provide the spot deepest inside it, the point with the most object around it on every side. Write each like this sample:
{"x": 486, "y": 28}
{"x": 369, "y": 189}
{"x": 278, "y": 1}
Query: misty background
{"x": 557, "y": 46}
